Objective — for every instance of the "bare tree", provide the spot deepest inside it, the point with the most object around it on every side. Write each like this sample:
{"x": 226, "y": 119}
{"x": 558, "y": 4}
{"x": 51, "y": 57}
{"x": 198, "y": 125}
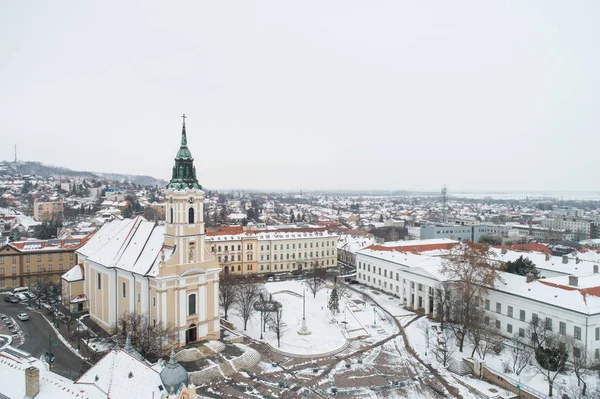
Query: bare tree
{"x": 227, "y": 293}
{"x": 539, "y": 331}
{"x": 316, "y": 279}
{"x": 483, "y": 340}
{"x": 445, "y": 347}
{"x": 341, "y": 287}
{"x": 443, "y": 300}
{"x": 247, "y": 295}
{"x": 276, "y": 324}
{"x": 581, "y": 364}
{"x": 148, "y": 338}
{"x": 469, "y": 265}
{"x": 520, "y": 355}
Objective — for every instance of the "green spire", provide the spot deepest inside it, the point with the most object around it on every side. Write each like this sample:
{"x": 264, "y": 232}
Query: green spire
{"x": 184, "y": 171}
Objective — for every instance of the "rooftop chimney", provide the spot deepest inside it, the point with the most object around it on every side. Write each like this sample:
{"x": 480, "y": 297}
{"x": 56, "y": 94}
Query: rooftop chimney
{"x": 529, "y": 277}
{"x": 565, "y": 259}
{"x": 415, "y": 250}
{"x": 547, "y": 257}
{"x": 503, "y": 250}
{"x": 595, "y": 268}
{"x": 32, "y": 382}
{"x": 573, "y": 280}
{"x": 577, "y": 260}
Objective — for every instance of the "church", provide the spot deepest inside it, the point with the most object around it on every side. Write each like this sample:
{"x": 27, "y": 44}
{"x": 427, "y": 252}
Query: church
{"x": 165, "y": 273}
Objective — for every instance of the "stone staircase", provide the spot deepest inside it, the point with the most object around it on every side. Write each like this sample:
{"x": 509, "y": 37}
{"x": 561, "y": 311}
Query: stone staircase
{"x": 459, "y": 367}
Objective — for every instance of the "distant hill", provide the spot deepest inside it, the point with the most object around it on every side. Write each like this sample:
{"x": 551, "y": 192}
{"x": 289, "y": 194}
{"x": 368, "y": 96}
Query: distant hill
{"x": 57, "y": 172}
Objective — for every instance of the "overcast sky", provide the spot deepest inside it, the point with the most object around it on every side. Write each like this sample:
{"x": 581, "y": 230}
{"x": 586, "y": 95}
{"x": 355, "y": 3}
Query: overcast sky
{"x": 309, "y": 95}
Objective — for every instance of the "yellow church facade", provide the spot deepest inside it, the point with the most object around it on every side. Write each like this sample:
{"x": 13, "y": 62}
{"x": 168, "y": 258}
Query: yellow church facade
{"x": 164, "y": 272}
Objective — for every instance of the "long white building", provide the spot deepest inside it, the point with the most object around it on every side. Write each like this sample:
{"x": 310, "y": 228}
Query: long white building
{"x": 568, "y": 300}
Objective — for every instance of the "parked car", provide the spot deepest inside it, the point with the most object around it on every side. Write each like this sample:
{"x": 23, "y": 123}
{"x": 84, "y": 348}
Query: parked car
{"x": 3, "y": 317}
{"x": 12, "y": 299}
{"x": 22, "y": 297}
{"x": 23, "y": 316}
{"x": 51, "y": 301}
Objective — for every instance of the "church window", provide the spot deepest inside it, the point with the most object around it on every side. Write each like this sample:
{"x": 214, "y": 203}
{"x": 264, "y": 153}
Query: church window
{"x": 124, "y": 289}
{"x": 99, "y": 281}
{"x": 239, "y": 268}
{"x": 153, "y": 301}
{"x": 191, "y": 304}
{"x": 171, "y": 215}
{"x": 191, "y": 216}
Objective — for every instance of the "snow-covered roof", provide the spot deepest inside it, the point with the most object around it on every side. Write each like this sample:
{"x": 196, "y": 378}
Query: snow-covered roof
{"x": 12, "y": 368}
{"x": 352, "y": 244}
{"x": 73, "y": 274}
{"x": 554, "y": 263}
{"x": 120, "y": 375}
{"x": 128, "y": 244}
{"x": 416, "y": 243}
{"x": 554, "y": 291}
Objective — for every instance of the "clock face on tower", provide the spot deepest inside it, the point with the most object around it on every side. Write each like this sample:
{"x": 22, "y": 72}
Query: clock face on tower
{"x": 191, "y": 200}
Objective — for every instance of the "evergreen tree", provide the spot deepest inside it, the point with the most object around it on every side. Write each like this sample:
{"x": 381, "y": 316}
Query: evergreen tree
{"x": 334, "y": 301}
{"x": 521, "y": 267}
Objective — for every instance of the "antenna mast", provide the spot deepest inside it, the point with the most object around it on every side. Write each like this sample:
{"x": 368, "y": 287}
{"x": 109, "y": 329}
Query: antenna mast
{"x": 15, "y": 153}
{"x": 444, "y": 203}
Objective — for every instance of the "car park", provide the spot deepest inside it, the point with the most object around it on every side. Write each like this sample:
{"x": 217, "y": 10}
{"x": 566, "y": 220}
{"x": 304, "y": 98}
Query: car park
{"x": 23, "y": 316}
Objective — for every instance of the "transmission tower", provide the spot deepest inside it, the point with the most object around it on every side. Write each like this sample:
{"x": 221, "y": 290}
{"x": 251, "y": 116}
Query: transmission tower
{"x": 444, "y": 203}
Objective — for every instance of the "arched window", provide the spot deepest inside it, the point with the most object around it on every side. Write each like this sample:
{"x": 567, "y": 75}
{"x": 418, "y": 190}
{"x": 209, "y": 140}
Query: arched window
{"x": 171, "y": 216}
{"x": 191, "y": 216}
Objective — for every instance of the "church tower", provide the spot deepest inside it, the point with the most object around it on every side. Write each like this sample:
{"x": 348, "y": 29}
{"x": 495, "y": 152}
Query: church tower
{"x": 185, "y": 207}
{"x": 188, "y": 278}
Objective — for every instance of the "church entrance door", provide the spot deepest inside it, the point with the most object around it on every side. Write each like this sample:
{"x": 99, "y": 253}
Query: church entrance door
{"x": 191, "y": 334}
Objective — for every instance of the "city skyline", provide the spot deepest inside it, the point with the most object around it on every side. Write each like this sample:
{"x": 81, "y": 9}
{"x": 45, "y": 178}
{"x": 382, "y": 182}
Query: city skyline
{"x": 339, "y": 96}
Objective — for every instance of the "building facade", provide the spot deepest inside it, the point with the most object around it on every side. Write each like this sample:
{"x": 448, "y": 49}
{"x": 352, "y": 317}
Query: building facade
{"x": 568, "y": 305}
{"x": 40, "y": 262}
{"x": 273, "y": 251}
{"x": 48, "y": 210}
{"x": 165, "y": 273}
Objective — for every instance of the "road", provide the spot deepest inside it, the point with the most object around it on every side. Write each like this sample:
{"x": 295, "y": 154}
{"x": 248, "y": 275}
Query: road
{"x": 37, "y": 334}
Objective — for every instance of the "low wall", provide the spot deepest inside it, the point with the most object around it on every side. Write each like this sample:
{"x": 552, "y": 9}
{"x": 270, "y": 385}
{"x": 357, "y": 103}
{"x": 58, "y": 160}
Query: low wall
{"x": 501, "y": 381}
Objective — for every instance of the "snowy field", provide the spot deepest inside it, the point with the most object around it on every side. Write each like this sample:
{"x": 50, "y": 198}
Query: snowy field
{"x": 327, "y": 330}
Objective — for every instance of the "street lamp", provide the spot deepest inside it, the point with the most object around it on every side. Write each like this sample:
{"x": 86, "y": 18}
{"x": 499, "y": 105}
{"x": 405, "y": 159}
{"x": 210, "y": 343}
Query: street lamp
{"x": 29, "y": 288}
{"x": 49, "y": 355}
{"x": 375, "y": 315}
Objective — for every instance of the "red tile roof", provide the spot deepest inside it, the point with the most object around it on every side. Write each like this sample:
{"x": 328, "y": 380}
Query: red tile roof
{"x": 531, "y": 248}
{"x": 44, "y": 244}
{"x": 412, "y": 247}
{"x": 224, "y": 231}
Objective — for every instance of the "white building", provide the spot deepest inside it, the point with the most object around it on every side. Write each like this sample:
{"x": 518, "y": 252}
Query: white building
{"x": 570, "y": 305}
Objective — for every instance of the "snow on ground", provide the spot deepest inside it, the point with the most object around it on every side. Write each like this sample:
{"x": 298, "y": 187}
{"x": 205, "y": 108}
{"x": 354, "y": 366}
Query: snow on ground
{"x": 530, "y": 377}
{"x": 327, "y": 329}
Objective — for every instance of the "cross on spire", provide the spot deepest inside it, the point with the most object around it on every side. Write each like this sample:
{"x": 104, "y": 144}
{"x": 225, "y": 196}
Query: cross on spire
{"x": 183, "y": 117}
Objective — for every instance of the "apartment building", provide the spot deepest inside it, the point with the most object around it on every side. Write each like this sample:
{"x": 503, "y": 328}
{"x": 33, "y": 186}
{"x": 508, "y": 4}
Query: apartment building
{"x": 42, "y": 261}
{"x": 47, "y": 210}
